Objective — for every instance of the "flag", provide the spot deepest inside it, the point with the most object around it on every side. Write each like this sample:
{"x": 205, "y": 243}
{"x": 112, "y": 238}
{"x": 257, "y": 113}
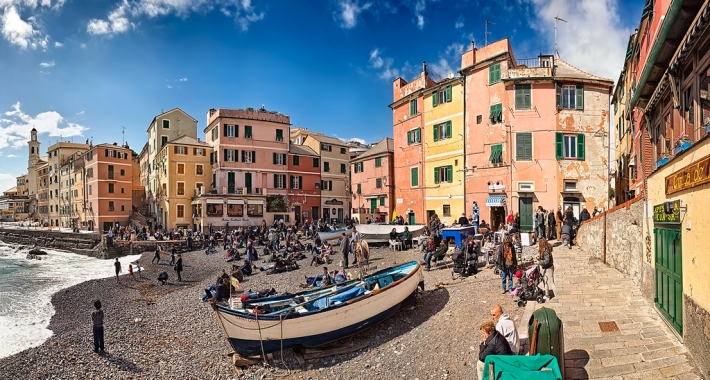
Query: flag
{"x": 235, "y": 283}
{"x": 394, "y": 215}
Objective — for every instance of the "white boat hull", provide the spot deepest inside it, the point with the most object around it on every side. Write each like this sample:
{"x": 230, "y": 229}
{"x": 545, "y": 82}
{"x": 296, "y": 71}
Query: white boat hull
{"x": 334, "y": 235}
{"x": 380, "y": 233}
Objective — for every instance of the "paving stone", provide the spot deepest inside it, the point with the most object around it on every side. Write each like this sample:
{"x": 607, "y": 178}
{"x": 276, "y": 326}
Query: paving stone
{"x": 653, "y": 374}
{"x": 677, "y": 369}
{"x": 622, "y": 359}
{"x": 609, "y": 346}
{"x": 661, "y": 363}
{"x": 611, "y": 371}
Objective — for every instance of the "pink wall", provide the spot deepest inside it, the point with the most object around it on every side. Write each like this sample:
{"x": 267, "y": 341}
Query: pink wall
{"x": 368, "y": 183}
{"x": 100, "y": 197}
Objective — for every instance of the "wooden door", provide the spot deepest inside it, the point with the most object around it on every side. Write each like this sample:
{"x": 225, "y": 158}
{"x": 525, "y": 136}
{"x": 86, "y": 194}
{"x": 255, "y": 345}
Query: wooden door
{"x": 669, "y": 276}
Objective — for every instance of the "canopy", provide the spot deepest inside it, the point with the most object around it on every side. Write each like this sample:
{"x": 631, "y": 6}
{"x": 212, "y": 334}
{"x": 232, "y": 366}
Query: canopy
{"x": 510, "y": 367}
{"x": 235, "y": 201}
{"x": 495, "y": 201}
{"x": 214, "y": 201}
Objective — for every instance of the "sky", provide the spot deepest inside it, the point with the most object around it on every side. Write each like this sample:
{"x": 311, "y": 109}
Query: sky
{"x": 102, "y": 69}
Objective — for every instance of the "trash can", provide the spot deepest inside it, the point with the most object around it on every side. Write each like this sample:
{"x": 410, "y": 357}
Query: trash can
{"x": 546, "y": 335}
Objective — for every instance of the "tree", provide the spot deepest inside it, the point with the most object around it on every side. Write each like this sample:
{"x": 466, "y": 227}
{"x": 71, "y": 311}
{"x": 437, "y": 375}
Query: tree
{"x": 275, "y": 203}
{"x": 612, "y": 193}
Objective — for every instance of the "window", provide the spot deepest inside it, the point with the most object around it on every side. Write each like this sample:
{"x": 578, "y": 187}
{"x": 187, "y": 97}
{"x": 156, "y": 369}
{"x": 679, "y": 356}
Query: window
{"x": 166, "y": 124}
{"x": 447, "y": 210}
{"x": 198, "y": 152}
{"x": 441, "y": 96}
{"x": 326, "y": 185}
{"x": 357, "y": 167}
{"x": 359, "y": 189}
{"x": 316, "y": 162}
{"x": 522, "y": 97}
{"x": 230, "y": 155}
{"x": 414, "y": 136}
{"x": 443, "y": 174}
{"x": 198, "y": 187}
{"x": 442, "y": 131}
{"x": 123, "y": 172}
{"x": 479, "y": 119}
{"x": 343, "y": 151}
{"x": 326, "y": 147}
{"x": 215, "y": 132}
{"x": 181, "y": 188}
{"x": 494, "y": 73}
{"x": 296, "y": 181}
{"x": 235, "y": 210}
{"x": 689, "y": 108}
{"x": 123, "y": 191}
{"x": 181, "y": 150}
{"x": 496, "y": 154}
{"x": 496, "y": 115}
{"x": 570, "y": 96}
{"x": 255, "y": 210}
{"x": 523, "y": 146}
{"x": 214, "y": 209}
{"x": 414, "y": 177}
{"x": 382, "y": 201}
{"x": 247, "y": 131}
{"x": 343, "y": 168}
{"x": 378, "y": 183}
{"x": 123, "y": 208}
{"x": 110, "y": 205}
{"x": 378, "y": 162}
{"x": 279, "y": 159}
{"x": 180, "y": 168}
{"x": 199, "y": 170}
{"x": 326, "y": 166}
{"x": 413, "y": 107}
{"x": 249, "y": 156}
{"x": 110, "y": 188}
{"x": 110, "y": 153}
{"x": 90, "y": 190}
{"x": 570, "y": 185}
{"x": 569, "y": 146}
{"x": 279, "y": 135}
{"x": 180, "y": 211}
{"x": 163, "y": 141}
{"x": 279, "y": 181}
{"x": 296, "y": 160}
{"x": 231, "y": 130}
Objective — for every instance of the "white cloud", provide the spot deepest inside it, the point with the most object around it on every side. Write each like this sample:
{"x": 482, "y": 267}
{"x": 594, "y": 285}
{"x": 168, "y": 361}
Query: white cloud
{"x": 447, "y": 62}
{"x": 79, "y": 114}
{"x": 169, "y": 86}
{"x": 122, "y": 18}
{"x": 19, "y": 124}
{"x": 7, "y": 181}
{"x": 419, "y": 8}
{"x": 460, "y": 22}
{"x": 348, "y": 11}
{"x": 357, "y": 140}
{"x": 383, "y": 65}
{"x": 58, "y": 44}
{"x": 12, "y": 155}
{"x": 594, "y": 37}
{"x": 47, "y": 64}
{"x": 24, "y": 33}
{"x": 183, "y": 79}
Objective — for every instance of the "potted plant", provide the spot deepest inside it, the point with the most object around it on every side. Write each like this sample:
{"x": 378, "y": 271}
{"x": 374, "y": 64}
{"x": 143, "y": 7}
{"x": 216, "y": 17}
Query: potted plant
{"x": 663, "y": 158}
{"x": 682, "y": 143}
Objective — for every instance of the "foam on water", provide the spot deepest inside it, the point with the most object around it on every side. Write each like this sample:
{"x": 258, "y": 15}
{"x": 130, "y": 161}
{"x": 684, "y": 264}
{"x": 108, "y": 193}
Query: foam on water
{"x": 27, "y": 286}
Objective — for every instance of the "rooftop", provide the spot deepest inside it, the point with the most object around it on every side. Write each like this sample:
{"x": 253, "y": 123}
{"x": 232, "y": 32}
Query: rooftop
{"x": 301, "y": 150}
{"x": 382, "y": 147}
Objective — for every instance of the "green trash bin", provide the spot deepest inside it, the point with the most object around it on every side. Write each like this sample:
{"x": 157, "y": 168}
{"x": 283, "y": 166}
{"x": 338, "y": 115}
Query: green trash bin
{"x": 549, "y": 338}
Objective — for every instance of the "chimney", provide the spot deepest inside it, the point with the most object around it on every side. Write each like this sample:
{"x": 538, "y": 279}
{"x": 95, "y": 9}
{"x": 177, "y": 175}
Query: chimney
{"x": 424, "y": 72}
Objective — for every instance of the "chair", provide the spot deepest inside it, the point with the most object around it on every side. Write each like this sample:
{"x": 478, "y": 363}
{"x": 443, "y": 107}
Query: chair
{"x": 395, "y": 245}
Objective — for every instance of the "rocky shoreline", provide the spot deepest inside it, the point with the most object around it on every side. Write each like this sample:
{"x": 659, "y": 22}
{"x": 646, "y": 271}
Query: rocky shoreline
{"x": 155, "y": 331}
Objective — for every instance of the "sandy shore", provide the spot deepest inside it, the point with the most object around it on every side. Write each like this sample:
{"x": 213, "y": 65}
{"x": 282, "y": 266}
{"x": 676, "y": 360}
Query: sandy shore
{"x": 154, "y": 331}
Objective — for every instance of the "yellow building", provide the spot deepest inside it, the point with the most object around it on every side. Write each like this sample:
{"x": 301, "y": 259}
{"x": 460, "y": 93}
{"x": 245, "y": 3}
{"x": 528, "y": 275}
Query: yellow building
{"x": 183, "y": 172}
{"x": 444, "y": 161}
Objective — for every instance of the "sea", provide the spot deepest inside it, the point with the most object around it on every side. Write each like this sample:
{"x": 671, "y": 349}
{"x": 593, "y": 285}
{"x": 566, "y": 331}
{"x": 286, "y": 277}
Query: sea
{"x": 27, "y": 286}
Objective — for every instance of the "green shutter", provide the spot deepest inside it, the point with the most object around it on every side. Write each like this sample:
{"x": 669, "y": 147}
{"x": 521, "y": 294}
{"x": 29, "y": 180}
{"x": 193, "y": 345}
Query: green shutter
{"x": 448, "y": 129}
{"x": 436, "y": 132}
{"x": 418, "y": 133}
{"x": 436, "y": 175}
{"x": 580, "y": 146}
{"x": 225, "y": 131}
{"x": 449, "y": 173}
{"x": 414, "y": 176}
{"x": 211, "y": 158}
{"x": 523, "y": 146}
{"x": 409, "y": 137}
{"x": 579, "y": 91}
{"x": 518, "y": 97}
{"x": 558, "y": 94}
{"x": 236, "y": 131}
{"x": 275, "y": 179}
{"x": 295, "y": 160}
{"x": 275, "y": 158}
{"x": 434, "y": 99}
{"x": 382, "y": 201}
{"x": 559, "y": 149}
{"x": 244, "y": 156}
{"x": 359, "y": 188}
{"x": 225, "y": 155}
{"x": 448, "y": 93}
{"x": 253, "y": 157}
{"x": 494, "y": 73}
{"x": 290, "y": 181}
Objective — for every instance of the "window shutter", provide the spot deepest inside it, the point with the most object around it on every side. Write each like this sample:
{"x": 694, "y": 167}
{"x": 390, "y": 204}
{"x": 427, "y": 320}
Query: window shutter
{"x": 236, "y": 155}
{"x": 216, "y": 128}
{"x": 436, "y": 132}
{"x": 291, "y": 181}
{"x": 448, "y": 129}
{"x": 275, "y": 179}
{"x": 275, "y": 157}
{"x": 558, "y": 94}
{"x": 225, "y": 130}
{"x": 433, "y": 98}
{"x": 449, "y": 173}
{"x": 559, "y": 149}
{"x": 253, "y": 157}
{"x": 579, "y": 91}
{"x": 225, "y": 154}
{"x": 415, "y": 177}
{"x": 518, "y": 140}
{"x": 448, "y": 93}
{"x": 409, "y": 137}
{"x": 419, "y": 134}
{"x": 283, "y": 159}
{"x": 244, "y": 156}
{"x": 211, "y": 158}
{"x": 436, "y": 175}
{"x": 330, "y": 185}
{"x": 359, "y": 188}
{"x": 518, "y": 97}
{"x": 580, "y": 146}
{"x": 236, "y": 131}
{"x": 300, "y": 182}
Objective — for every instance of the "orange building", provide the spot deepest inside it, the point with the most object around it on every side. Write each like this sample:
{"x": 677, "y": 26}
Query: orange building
{"x": 372, "y": 181}
{"x": 109, "y": 173}
{"x": 304, "y": 179}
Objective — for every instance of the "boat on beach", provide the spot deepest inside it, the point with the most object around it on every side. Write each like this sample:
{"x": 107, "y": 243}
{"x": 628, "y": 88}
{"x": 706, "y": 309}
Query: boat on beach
{"x": 316, "y": 317}
{"x": 380, "y": 233}
{"x": 335, "y": 234}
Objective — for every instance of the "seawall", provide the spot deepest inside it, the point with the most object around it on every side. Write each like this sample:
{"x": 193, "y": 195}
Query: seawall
{"x": 85, "y": 244}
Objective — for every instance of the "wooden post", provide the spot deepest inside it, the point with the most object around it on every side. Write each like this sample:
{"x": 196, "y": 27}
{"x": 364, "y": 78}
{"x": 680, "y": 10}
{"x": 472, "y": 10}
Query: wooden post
{"x": 604, "y": 237}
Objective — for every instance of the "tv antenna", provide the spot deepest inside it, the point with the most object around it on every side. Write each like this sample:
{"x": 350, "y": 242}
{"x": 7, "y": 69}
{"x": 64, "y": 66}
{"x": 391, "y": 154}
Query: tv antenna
{"x": 123, "y": 135}
{"x": 557, "y": 19}
{"x": 485, "y": 38}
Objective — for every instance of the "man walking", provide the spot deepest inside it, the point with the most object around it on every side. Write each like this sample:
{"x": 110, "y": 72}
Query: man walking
{"x": 157, "y": 255}
{"x": 172, "y": 256}
{"x": 178, "y": 267}
{"x": 117, "y": 265}
{"x": 558, "y": 221}
{"x": 345, "y": 248}
{"x": 97, "y": 317}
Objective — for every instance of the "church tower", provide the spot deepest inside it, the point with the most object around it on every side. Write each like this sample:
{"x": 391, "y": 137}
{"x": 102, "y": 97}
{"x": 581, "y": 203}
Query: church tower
{"x": 31, "y": 161}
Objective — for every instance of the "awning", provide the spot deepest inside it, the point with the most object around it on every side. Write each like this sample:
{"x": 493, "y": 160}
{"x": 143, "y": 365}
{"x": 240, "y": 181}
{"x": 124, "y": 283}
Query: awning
{"x": 214, "y": 201}
{"x": 495, "y": 201}
{"x": 255, "y": 202}
{"x": 235, "y": 201}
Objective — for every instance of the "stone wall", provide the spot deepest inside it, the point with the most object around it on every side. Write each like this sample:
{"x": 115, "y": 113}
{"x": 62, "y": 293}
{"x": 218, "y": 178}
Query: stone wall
{"x": 138, "y": 247}
{"x": 85, "y": 244}
{"x": 624, "y": 243}
{"x": 696, "y": 333}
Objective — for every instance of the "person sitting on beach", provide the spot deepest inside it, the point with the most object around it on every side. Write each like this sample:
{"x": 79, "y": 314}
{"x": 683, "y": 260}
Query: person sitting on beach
{"x": 163, "y": 277}
{"x": 222, "y": 290}
{"x": 407, "y": 238}
{"x": 327, "y": 278}
{"x": 394, "y": 236}
{"x": 246, "y": 268}
{"x": 493, "y": 344}
{"x": 488, "y": 248}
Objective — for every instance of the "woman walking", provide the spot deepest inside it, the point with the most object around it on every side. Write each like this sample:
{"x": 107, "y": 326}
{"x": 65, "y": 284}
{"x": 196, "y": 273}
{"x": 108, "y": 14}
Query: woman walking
{"x": 506, "y": 261}
{"x": 544, "y": 259}
{"x": 178, "y": 266}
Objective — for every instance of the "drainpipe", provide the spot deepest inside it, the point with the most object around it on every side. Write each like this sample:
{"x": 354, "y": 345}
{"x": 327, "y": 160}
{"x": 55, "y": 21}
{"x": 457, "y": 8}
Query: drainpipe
{"x": 670, "y": 17}
{"x": 465, "y": 167}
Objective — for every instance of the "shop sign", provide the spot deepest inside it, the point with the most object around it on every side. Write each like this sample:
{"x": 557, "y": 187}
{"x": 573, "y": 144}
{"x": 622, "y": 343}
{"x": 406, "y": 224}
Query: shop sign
{"x": 334, "y": 202}
{"x": 690, "y": 176}
{"x": 668, "y": 212}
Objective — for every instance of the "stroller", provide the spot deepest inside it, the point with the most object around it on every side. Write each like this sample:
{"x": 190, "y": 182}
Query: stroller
{"x": 529, "y": 285}
{"x": 465, "y": 262}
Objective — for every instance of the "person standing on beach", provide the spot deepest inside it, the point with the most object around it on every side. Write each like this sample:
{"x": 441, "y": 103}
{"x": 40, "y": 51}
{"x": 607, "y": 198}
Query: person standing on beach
{"x": 138, "y": 266}
{"x": 178, "y": 266}
{"x": 117, "y": 264}
{"x": 172, "y": 255}
{"x": 345, "y": 249}
{"x": 130, "y": 271}
{"x": 157, "y": 255}
{"x": 97, "y": 317}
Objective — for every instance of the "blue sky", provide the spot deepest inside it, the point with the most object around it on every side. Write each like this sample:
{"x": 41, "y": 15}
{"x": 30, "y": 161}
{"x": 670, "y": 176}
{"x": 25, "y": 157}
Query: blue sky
{"x": 87, "y": 69}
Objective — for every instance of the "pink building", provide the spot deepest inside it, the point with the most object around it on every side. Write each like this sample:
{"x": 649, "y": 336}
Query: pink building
{"x": 372, "y": 181}
{"x": 304, "y": 183}
{"x": 108, "y": 181}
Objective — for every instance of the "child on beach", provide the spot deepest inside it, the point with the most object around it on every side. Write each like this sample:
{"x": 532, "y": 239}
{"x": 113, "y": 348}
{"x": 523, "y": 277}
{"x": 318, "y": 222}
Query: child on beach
{"x": 130, "y": 271}
{"x": 138, "y": 266}
{"x": 97, "y": 317}
{"x": 117, "y": 264}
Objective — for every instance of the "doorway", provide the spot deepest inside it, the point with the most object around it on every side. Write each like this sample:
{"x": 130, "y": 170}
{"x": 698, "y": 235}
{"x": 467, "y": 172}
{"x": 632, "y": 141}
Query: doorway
{"x": 326, "y": 215}
{"x": 669, "y": 276}
{"x": 429, "y": 214}
{"x": 497, "y": 217}
{"x": 412, "y": 219}
{"x": 340, "y": 215}
{"x": 574, "y": 202}
{"x": 297, "y": 210}
{"x": 315, "y": 211}
{"x": 525, "y": 205}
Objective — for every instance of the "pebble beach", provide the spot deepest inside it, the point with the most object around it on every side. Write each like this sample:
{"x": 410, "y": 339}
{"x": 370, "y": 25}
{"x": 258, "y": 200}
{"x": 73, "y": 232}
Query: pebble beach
{"x": 167, "y": 332}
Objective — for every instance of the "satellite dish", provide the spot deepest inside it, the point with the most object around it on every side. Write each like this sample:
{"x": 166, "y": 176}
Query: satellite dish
{"x": 211, "y": 144}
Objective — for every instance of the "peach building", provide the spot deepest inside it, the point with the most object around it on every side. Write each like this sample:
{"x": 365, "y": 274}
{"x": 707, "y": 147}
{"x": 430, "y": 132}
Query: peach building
{"x": 304, "y": 180}
{"x": 372, "y": 182}
{"x": 108, "y": 186}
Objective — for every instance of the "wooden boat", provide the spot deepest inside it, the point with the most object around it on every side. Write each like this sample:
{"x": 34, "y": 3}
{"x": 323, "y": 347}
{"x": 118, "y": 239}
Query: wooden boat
{"x": 335, "y": 234}
{"x": 380, "y": 233}
{"x": 316, "y": 317}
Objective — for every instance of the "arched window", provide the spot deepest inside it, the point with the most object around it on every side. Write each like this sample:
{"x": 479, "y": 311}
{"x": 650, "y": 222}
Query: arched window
{"x": 33, "y": 150}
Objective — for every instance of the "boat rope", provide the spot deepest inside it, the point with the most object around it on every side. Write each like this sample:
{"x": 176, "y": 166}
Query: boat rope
{"x": 261, "y": 342}
{"x": 282, "y": 344}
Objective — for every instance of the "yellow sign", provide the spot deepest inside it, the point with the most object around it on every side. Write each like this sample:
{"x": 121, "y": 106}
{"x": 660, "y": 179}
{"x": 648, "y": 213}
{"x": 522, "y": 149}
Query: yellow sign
{"x": 668, "y": 212}
{"x": 690, "y": 176}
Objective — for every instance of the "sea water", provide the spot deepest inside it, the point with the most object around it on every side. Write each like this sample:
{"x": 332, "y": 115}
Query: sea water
{"x": 27, "y": 286}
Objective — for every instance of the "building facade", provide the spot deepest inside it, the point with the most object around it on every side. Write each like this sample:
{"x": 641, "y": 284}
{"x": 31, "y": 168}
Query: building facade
{"x": 304, "y": 183}
{"x": 373, "y": 182}
{"x": 58, "y": 156}
{"x": 42, "y": 212}
{"x": 108, "y": 186}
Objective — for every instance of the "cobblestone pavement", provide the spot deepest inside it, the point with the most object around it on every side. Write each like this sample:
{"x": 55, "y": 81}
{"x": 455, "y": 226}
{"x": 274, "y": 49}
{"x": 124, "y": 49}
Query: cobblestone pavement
{"x": 589, "y": 292}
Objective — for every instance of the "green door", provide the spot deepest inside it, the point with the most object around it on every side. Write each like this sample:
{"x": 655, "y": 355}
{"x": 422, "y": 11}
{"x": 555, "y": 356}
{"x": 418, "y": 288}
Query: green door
{"x": 230, "y": 182}
{"x": 669, "y": 276}
{"x": 526, "y": 214}
{"x": 412, "y": 219}
{"x": 373, "y": 205}
{"x": 247, "y": 182}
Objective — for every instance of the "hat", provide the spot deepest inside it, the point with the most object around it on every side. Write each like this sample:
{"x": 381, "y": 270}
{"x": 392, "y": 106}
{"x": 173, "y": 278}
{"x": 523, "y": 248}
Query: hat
{"x": 518, "y": 273}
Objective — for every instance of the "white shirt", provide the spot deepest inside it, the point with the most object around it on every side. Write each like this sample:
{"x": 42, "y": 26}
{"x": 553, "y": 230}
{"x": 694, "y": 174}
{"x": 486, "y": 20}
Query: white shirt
{"x": 506, "y": 327}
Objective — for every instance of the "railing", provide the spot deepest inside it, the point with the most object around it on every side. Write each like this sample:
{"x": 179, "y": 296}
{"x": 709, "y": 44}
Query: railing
{"x": 534, "y": 62}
